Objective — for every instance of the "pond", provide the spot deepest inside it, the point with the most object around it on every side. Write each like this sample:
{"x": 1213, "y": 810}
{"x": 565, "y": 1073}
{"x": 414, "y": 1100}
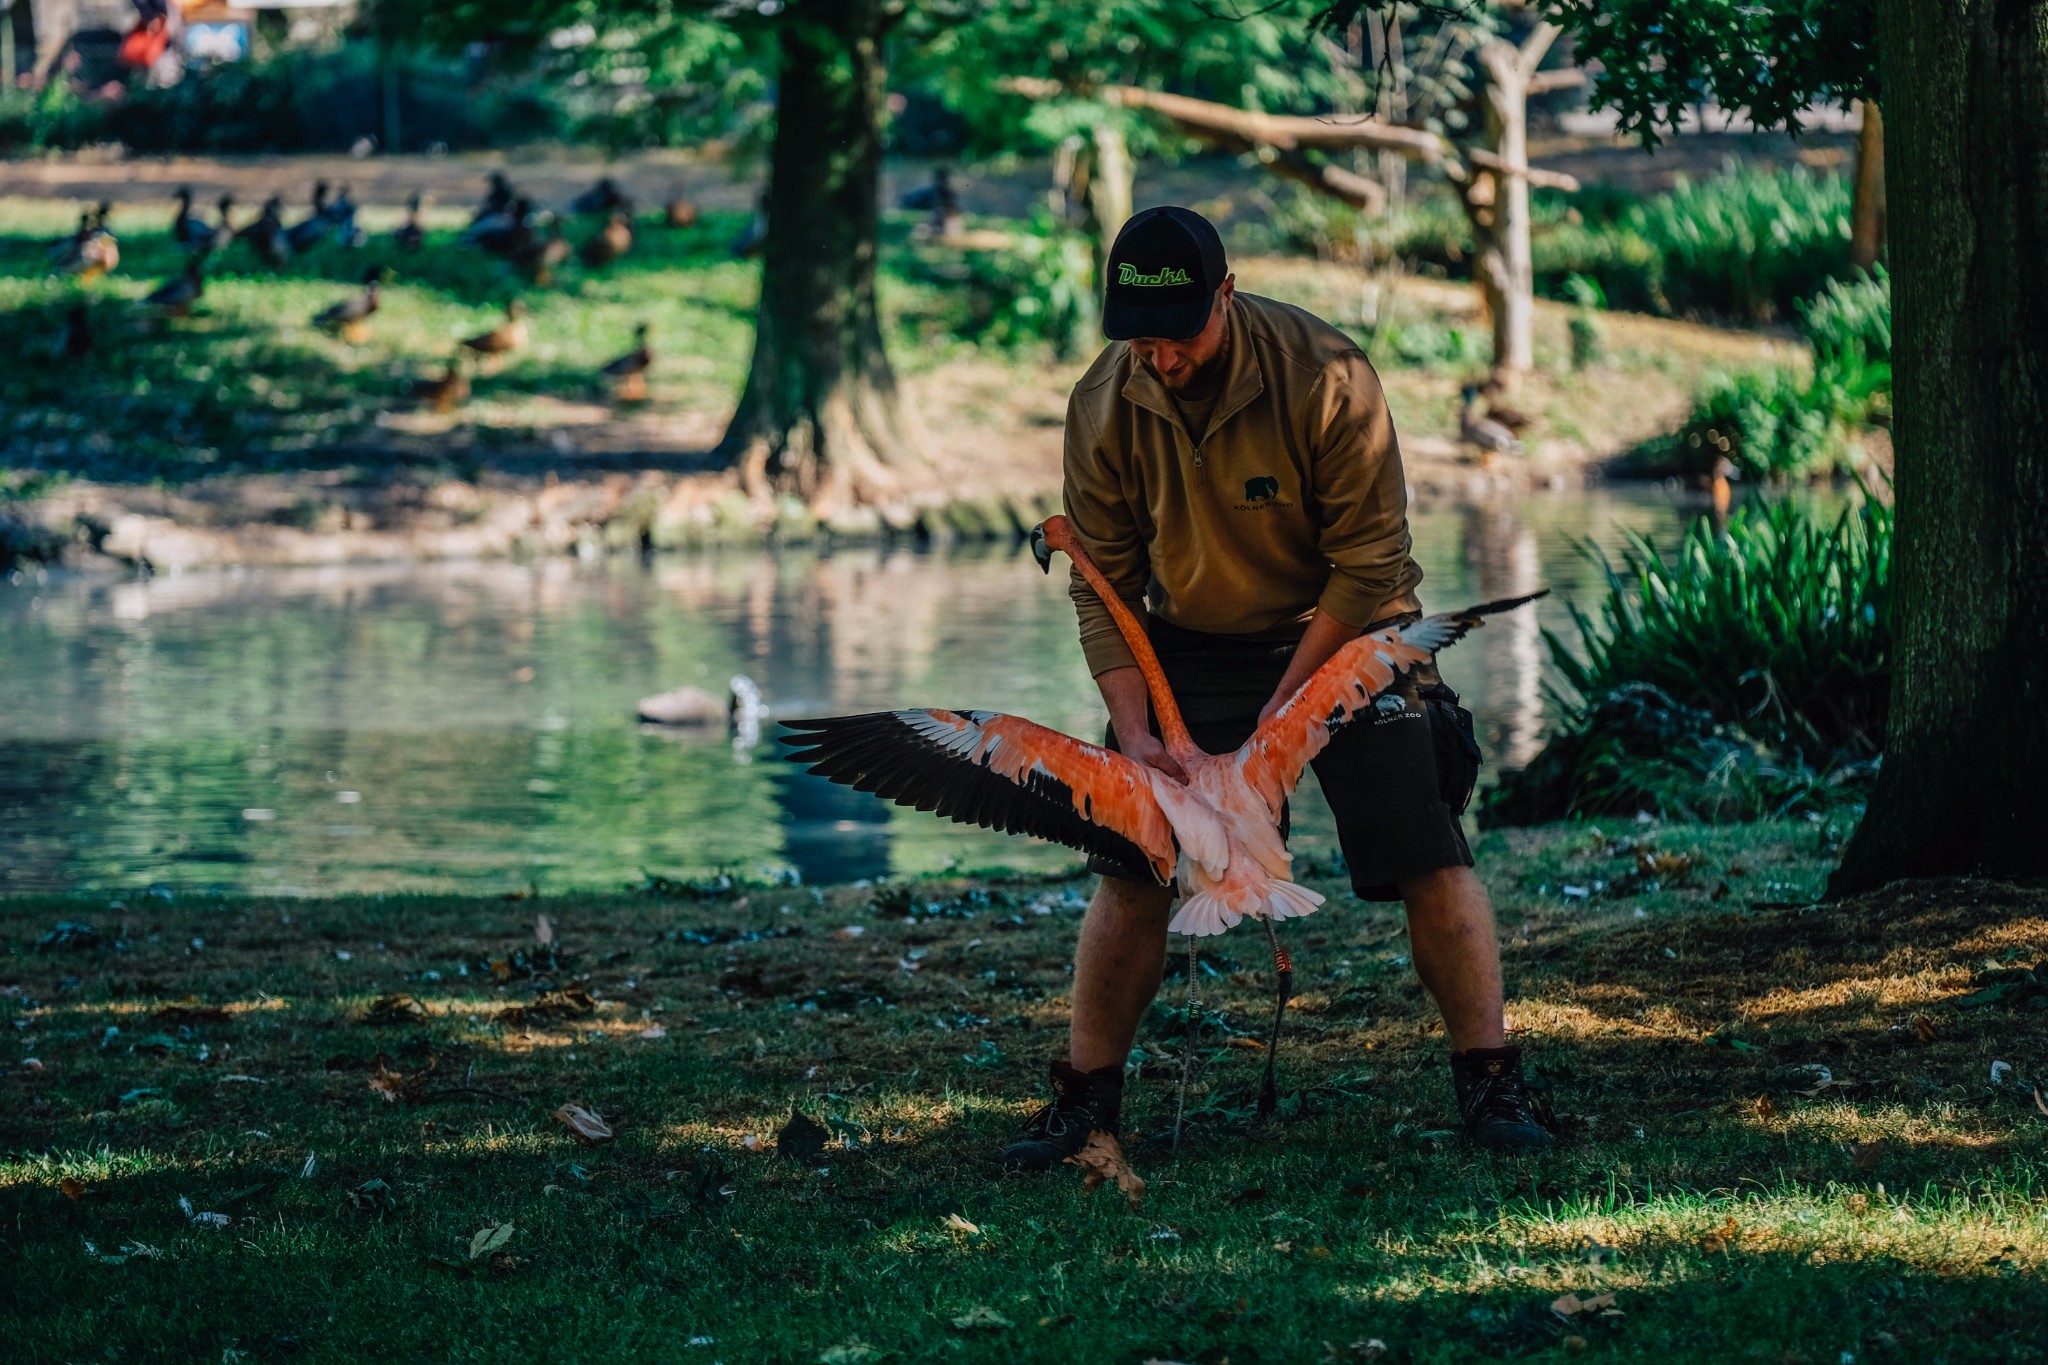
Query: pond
{"x": 470, "y": 726}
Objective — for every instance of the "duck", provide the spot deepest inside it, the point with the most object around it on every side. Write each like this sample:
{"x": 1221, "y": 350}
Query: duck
{"x": 174, "y": 297}
{"x": 92, "y": 250}
{"x": 446, "y": 393}
{"x": 1721, "y": 491}
{"x": 76, "y": 342}
{"x": 612, "y": 241}
{"x": 541, "y": 254}
{"x": 314, "y": 228}
{"x": 187, "y": 228}
{"x": 342, "y": 214}
{"x": 502, "y": 232}
{"x": 1215, "y": 835}
{"x": 602, "y": 197}
{"x": 410, "y": 235}
{"x": 679, "y": 211}
{"x": 1487, "y": 435}
{"x": 507, "y": 337}
{"x": 628, "y": 373}
{"x": 1514, "y": 420}
{"x": 221, "y": 235}
{"x": 497, "y": 198}
{"x": 265, "y": 233}
{"x": 350, "y": 318}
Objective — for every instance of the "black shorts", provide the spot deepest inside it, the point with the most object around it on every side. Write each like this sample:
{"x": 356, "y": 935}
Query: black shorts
{"x": 1396, "y": 781}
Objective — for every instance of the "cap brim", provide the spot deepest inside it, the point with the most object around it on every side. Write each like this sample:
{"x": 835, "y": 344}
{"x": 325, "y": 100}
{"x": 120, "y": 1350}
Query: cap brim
{"x": 1123, "y": 320}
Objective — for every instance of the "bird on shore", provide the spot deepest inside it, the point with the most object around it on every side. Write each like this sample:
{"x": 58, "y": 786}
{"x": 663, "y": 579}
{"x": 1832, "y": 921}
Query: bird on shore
{"x": 602, "y": 197}
{"x": 76, "y": 342}
{"x": 92, "y": 250}
{"x": 265, "y": 233}
{"x": 1514, "y": 420}
{"x": 410, "y": 235}
{"x": 314, "y": 228}
{"x": 187, "y": 227}
{"x": 221, "y": 235}
{"x": 350, "y": 318}
{"x": 1215, "y": 834}
{"x": 612, "y": 241}
{"x": 497, "y": 198}
{"x": 448, "y": 392}
{"x": 174, "y": 297}
{"x": 1721, "y": 491}
{"x": 502, "y": 232}
{"x": 341, "y": 213}
{"x": 1489, "y": 437}
{"x": 628, "y": 373}
{"x": 507, "y": 337}
{"x": 541, "y": 254}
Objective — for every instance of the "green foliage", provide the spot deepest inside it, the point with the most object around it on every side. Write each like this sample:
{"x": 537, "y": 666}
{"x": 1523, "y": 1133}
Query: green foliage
{"x": 1850, "y": 319}
{"x": 1717, "y": 683}
{"x": 303, "y": 100}
{"x": 1035, "y": 289}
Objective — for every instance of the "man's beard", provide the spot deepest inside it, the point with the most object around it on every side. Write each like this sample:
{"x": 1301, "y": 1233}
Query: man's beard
{"x": 1204, "y": 379}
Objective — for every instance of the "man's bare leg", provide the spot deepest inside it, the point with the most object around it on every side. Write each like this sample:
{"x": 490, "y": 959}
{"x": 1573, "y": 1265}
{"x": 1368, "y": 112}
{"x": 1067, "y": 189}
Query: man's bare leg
{"x": 1457, "y": 954}
{"x": 1117, "y": 967}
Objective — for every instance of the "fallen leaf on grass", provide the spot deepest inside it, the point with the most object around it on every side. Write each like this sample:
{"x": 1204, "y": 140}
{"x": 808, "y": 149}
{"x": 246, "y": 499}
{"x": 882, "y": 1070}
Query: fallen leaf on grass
{"x": 190, "y": 1011}
{"x": 392, "y": 1083}
{"x": 1923, "y": 1028}
{"x": 652, "y": 1032}
{"x": 501, "y": 970}
{"x": 543, "y": 931}
{"x": 1766, "y": 1108}
{"x": 130, "y": 1251}
{"x": 1102, "y": 1159}
{"x": 573, "y": 1003}
{"x": 953, "y": 1222}
{"x": 1571, "y": 1305}
{"x": 1720, "y": 1239}
{"x": 489, "y": 1238}
{"x": 205, "y": 1219}
{"x": 981, "y": 1318}
{"x": 585, "y": 1125}
{"x": 73, "y": 1187}
{"x": 1595, "y": 1252}
{"x": 2040, "y": 1103}
{"x": 372, "y": 1196}
{"x": 1867, "y": 1154}
{"x": 394, "y": 1009}
{"x": 800, "y": 1138}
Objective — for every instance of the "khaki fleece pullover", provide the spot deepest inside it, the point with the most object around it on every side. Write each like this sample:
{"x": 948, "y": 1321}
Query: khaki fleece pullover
{"x": 1293, "y": 498}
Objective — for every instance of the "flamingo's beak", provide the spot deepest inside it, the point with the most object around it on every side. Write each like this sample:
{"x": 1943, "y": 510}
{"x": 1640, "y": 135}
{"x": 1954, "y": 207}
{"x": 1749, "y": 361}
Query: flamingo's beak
{"x": 1041, "y": 551}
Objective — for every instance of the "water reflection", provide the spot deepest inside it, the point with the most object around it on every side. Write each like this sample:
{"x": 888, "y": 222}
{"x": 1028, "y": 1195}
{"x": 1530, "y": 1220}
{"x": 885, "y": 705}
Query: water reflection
{"x": 471, "y": 726}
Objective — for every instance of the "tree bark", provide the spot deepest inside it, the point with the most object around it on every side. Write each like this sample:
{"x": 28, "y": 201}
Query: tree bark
{"x": 1507, "y": 272}
{"x": 1866, "y": 211}
{"x": 1110, "y": 193}
{"x": 820, "y": 415}
{"x": 1961, "y": 790}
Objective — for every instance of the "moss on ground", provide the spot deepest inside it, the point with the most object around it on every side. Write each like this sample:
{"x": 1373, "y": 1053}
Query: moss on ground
{"x": 1783, "y": 1137}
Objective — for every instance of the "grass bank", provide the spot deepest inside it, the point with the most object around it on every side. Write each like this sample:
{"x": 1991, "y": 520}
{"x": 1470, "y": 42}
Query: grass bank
{"x": 1783, "y": 1134}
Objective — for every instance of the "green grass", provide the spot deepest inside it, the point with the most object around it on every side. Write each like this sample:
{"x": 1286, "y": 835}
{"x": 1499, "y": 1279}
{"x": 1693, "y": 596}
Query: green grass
{"x": 1734, "y": 1210}
{"x": 246, "y": 384}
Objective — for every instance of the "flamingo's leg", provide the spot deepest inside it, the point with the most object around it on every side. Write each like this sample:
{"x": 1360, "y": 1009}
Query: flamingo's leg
{"x": 1187, "y": 1050}
{"x": 1283, "y": 970}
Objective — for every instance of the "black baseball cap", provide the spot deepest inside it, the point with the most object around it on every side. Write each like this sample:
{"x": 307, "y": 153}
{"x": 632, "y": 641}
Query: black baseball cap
{"x": 1164, "y": 271}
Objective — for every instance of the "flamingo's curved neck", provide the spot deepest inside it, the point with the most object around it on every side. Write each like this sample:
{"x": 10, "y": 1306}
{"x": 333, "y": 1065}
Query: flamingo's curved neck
{"x": 1173, "y": 731}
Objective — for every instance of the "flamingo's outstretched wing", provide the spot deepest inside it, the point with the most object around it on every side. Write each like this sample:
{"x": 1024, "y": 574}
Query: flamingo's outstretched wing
{"x": 1272, "y": 759}
{"x": 1000, "y": 772}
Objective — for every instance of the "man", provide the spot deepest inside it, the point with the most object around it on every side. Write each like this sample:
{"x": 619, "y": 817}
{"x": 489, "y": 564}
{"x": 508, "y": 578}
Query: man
{"x": 1231, "y": 467}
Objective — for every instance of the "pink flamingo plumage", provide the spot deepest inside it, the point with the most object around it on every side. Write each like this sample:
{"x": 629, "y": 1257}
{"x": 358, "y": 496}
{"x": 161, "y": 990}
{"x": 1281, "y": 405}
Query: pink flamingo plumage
{"x": 1217, "y": 834}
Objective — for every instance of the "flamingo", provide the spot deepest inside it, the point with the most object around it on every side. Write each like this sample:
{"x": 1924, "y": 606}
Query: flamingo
{"x": 1217, "y": 834}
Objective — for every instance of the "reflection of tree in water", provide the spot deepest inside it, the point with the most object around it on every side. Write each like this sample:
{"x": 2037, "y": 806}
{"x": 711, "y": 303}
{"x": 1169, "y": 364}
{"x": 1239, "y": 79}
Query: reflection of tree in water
{"x": 1503, "y": 560}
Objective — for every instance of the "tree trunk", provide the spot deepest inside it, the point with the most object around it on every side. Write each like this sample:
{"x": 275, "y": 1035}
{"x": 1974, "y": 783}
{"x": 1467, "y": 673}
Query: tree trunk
{"x": 1110, "y": 194}
{"x": 820, "y": 416}
{"x": 1966, "y": 94}
{"x": 1507, "y": 273}
{"x": 1866, "y": 211}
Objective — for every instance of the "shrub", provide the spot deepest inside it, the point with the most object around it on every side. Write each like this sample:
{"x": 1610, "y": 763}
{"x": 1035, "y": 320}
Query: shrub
{"x": 1766, "y": 652}
{"x": 1037, "y": 288}
{"x": 1850, "y": 317}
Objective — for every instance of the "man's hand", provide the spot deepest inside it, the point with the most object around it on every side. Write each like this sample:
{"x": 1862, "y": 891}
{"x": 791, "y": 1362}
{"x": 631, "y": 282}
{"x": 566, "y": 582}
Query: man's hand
{"x": 1130, "y": 715}
{"x": 1149, "y": 751}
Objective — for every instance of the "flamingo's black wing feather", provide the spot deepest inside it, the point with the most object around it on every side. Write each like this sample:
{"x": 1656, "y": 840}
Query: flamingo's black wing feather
{"x": 881, "y": 753}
